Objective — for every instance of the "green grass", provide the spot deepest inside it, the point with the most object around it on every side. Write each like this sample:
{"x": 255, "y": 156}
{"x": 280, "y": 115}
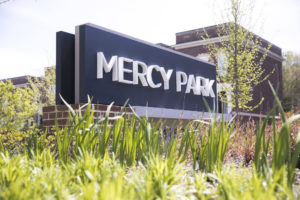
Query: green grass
{"x": 128, "y": 157}
{"x": 282, "y": 157}
{"x": 87, "y": 177}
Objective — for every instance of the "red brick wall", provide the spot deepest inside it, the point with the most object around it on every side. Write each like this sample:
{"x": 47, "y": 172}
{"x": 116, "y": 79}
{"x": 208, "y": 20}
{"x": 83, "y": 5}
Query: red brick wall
{"x": 62, "y": 113}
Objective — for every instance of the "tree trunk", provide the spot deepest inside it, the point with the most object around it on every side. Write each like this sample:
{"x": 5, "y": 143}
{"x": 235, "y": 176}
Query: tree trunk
{"x": 236, "y": 92}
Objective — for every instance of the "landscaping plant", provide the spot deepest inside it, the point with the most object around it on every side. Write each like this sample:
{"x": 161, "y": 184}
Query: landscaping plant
{"x": 130, "y": 157}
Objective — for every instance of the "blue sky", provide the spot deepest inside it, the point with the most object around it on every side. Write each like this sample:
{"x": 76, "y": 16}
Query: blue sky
{"x": 28, "y": 27}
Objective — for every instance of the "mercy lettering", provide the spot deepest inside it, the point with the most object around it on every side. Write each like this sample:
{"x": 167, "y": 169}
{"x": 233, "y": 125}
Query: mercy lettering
{"x": 143, "y": 74}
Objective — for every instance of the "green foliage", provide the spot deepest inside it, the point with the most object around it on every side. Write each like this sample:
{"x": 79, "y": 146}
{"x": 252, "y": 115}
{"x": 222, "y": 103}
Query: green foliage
{"x": 282, "y": 157}
{"x": 17, "y": 107}
{"x": 213, "y": 152}
{"x": 207, "y": 147}
{"x": 240, "y": 62}
{"x": 244, "y": 184}
{"x": 242, "y": 144}
{"x": 43, "y": 88}
{"x": 291, "y": 81}
{"x": 131, "y": 139}
{"x": 128, "y": 157}
{"x": 203, "y": 187}
{"x": 86, "y": 177}
{"x": 159, "y": 179}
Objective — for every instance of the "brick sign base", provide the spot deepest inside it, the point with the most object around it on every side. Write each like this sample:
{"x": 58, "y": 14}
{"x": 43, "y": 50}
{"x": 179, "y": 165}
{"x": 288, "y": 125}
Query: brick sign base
{"x": 61, "y": 112}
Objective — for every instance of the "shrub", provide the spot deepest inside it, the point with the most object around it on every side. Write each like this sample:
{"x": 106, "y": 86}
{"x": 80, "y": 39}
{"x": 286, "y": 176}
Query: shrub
{"x": 17, "y": 108}
{"x": 282, "y": 157}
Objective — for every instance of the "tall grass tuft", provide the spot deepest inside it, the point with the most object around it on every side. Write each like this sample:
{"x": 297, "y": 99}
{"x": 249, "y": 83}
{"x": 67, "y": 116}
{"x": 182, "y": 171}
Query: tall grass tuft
{"x": 160, "y": 178}
{"x": 214, "y": 150}
{"x": 129, "y": 157}
{"x": 207, "y": 142}
{"x": 243, "y": 184}
{"x": 130, "y": 139}
{"x": 282, "y": 157}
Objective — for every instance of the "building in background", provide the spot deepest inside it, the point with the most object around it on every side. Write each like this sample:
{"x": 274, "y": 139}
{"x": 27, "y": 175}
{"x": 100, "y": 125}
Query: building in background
{"x": 20, "y": 81}
{"x": 192, "y": 43}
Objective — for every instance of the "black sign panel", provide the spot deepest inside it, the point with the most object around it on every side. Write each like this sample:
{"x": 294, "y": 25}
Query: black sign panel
{"x": 65, "y": 67}
{"x": 91, "y": 39}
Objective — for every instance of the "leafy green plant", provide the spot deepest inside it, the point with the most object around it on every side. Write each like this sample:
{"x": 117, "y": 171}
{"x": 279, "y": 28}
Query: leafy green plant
{"x": 282, "y": 156}
{"x": 242, "y": 144}
{"x": 17, "y": 108}
{"x": 35, "y": 143}
{"x": 207, "y": 147}
{"x": 243, "y": 184}
{"x": 237, "y": 56}
{"x": 203, "y": 188}
{"x": 216, "y": 146}
{"x": 159, "y": 179}
{"x": 43, "y": 87}
{"x": 131, "y": 139}
{"x": 128, "y": 157}
{"x": 1, "y": 145}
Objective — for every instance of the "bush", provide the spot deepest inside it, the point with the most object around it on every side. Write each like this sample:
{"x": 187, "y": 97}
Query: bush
{"x": 17, "y": 108}
{"x": 127, "y": 157}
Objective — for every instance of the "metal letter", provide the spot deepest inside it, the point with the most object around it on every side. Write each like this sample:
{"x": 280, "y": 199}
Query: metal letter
{"x": 102, "y": 65}
{"x": 179, "y": 81}
{"x": 191, "y": 85}
{"x": 137, "y": 75}
{"x": 202, "y": 83}
{"x": 209, "y": 88}
{"x": 166, "y": 77}
{"x": 123, "y": 70}
{"x": 149, "y": 76}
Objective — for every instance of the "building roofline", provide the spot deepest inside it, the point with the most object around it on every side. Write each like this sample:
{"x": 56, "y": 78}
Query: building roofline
{"x": 197, "y": 29}
{"x": 219, "y": 39}
{"x": 207, "y": 28}
{"x": 17, "y": 77}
